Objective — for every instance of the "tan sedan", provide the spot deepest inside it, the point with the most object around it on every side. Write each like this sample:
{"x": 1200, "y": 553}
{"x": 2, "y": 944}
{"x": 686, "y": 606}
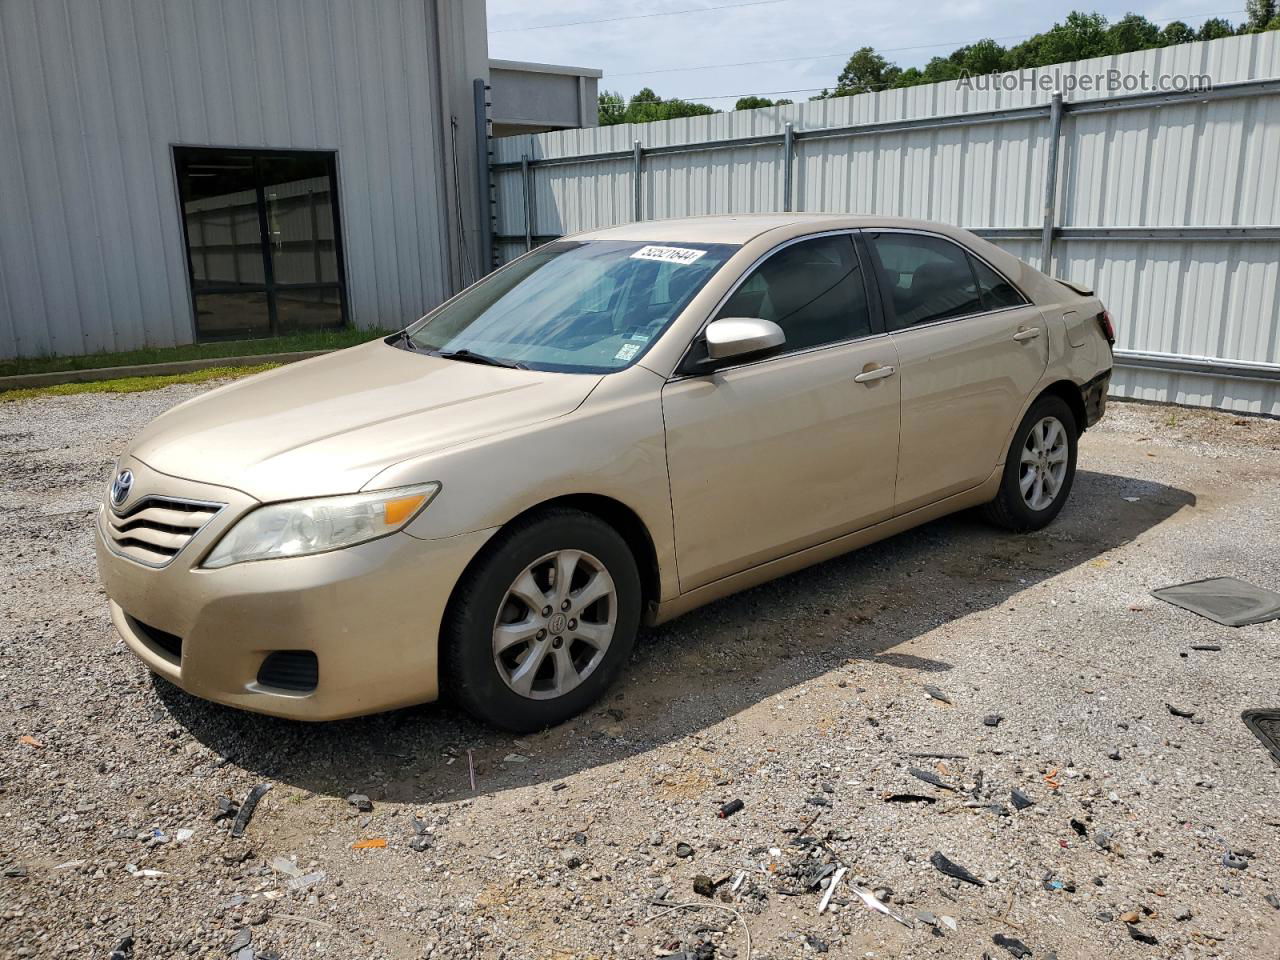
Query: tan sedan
{"x": 614, "y": 428}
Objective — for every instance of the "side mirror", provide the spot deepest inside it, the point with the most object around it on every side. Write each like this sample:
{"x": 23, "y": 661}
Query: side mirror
{"x": 732, "y": 337}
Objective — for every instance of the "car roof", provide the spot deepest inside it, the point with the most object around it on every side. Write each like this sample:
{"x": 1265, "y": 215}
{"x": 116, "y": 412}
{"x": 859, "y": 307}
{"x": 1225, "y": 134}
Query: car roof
{"x": 740, "y": 228}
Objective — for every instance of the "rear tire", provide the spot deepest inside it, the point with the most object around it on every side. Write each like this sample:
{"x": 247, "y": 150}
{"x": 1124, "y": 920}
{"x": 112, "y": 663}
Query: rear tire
{"x": 1039, "y": 469}
{"x": 520, "y": 650}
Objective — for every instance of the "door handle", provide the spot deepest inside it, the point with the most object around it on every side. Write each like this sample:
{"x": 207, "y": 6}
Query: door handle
{"x": 1026, "y": 333}
{"x": 876, "y": 373}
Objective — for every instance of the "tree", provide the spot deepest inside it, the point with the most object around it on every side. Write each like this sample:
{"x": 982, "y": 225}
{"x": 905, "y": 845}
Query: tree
{"x": 612, "y": 108}
{"x": 1079, "y": 37}
{"x": 753, "y": 103}
{"x": 1132, "y": 32}
{"x": 1261, "y": 13}
{"x": 1176, "y": 32}
{"x": 985, "y": 56}
{"x": 1215, "y": 28}
{"x": 866, "y": 71}
{"x": 644, "y": 107}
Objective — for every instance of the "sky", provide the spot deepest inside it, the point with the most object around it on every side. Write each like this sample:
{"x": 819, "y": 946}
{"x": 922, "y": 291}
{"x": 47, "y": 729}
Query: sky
{"x": 713, "y": 55}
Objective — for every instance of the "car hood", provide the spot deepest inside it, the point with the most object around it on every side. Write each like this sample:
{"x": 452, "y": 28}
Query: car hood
{"x": 329, "y": 425}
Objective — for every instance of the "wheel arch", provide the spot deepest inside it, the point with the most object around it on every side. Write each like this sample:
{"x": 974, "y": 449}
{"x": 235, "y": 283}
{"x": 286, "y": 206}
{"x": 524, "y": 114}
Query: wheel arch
{"x": 1069, "y": 391}
{"x": 616, "y": 514}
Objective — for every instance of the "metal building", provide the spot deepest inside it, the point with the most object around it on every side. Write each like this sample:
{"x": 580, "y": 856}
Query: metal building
{"x": 173, "y": 170}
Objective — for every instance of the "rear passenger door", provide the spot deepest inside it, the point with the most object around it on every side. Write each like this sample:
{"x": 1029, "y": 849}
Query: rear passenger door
{"x": 971, "y": 348}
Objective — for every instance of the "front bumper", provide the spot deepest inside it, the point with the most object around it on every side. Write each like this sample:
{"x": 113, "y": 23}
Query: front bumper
{"x": 370, "y": 614}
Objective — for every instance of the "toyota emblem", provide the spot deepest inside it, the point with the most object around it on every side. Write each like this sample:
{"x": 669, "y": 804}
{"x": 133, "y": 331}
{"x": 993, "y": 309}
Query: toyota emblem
{"x": 121, "y": 486}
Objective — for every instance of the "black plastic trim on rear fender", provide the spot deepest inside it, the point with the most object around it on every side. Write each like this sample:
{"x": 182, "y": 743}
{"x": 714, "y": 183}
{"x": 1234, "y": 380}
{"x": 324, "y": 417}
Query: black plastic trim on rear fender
{"x": 1094, "y": 394}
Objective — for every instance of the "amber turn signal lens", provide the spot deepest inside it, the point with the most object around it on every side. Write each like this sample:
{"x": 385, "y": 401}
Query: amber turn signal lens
{"x": 396, "y": 512}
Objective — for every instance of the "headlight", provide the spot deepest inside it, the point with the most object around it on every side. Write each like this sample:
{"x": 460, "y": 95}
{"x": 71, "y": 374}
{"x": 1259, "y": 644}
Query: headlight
{"x": 316, "y": 526}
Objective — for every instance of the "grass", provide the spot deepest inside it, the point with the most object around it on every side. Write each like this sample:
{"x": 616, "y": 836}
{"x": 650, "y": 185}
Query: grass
{"x": 133, "y": 384}
{"x": 315, "y": 340}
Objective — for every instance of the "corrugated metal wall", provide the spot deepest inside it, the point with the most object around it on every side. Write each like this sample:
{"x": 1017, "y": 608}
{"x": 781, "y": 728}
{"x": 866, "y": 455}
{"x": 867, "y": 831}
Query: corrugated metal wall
{"x": 93, "y": 95}
{"x": 1214, "y": 163}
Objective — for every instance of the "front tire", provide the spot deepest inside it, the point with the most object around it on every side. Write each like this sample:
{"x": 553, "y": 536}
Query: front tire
{"x": 1040, "y": 468}
{"x": 542, "y": 621}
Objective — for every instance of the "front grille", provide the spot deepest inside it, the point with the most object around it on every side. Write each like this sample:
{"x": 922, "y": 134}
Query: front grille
{"x": 155, "y": 529}
{"x": 295, "y": 670}
{"x": 168, "y": 645}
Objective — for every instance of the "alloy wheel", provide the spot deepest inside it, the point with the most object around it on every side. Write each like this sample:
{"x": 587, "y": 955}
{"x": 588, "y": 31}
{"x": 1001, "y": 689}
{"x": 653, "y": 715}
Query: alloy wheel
{"x": 555, "y": 624}
{"x": 1043, "y": 465}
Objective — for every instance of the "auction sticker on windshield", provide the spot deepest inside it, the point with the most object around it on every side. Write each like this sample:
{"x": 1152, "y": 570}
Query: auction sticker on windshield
{"x": 667, "y": 254}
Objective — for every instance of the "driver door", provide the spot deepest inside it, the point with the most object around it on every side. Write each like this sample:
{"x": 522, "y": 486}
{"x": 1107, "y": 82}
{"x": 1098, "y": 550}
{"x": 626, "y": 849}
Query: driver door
{"x": 768, "y": 456}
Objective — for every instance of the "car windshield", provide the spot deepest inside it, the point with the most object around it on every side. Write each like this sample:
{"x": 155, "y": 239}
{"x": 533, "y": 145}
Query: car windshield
{"x": 590, "y": 306}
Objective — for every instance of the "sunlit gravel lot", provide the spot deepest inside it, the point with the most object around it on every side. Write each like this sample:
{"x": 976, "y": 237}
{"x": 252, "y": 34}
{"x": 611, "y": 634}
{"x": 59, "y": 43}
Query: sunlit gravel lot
{"x": 1148, "y": 834}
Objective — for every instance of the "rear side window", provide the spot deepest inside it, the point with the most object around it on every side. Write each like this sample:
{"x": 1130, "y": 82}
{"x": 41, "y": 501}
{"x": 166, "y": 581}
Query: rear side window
{"x": 925, "y": 278}
{"x": 997, "y": 292}
{"x": 812, "y": 289}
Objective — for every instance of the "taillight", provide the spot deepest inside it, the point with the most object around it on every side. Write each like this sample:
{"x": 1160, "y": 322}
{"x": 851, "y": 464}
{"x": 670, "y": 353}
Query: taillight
{"x": 1108, "y": 328}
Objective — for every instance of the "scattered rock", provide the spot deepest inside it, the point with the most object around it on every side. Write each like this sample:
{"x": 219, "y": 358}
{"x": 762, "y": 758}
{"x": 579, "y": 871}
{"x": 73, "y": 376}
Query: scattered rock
{"x": 704, "y": 886}
{"x": 992, "y": 720}
{"x": 1020, "y": 800}
{"x": 684, "y": 851}
{"x": 360, "y": 802}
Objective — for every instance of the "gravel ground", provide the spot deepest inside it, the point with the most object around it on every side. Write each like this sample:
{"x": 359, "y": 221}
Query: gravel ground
{"x": 805, "y": 698}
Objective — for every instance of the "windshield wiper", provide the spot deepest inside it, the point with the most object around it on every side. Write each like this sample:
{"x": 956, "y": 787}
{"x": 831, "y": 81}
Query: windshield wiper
{"x": 470, "y": 356}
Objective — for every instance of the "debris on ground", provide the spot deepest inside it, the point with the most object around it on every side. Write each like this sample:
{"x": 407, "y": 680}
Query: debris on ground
{"x": 937, "y": 694}
{"x": 1180, "y": 711}
{"x": 929, "y": 777}
{"x": 246, "y": 809}
{"x": 1141, "y": 936}
{"x": 123, "y": 950}
{"x": 361, "y": 802}
{"x": 875, "y": 903}
{"x": 1012, "y": 944}
{"x": 729, "y": 809}
{"x": 1020, "y": 800}
{"x": 1225, "y": 600}
{"x": 831, "y": 888}
{"x": 992, "y": 720}
{"x": 952, "y": 869}
{"x": 242, "y": 939}
{"x": 372, "y": 843}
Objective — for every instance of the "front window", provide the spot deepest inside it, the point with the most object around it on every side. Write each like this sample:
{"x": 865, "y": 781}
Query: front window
{"x": 589, "y": 306}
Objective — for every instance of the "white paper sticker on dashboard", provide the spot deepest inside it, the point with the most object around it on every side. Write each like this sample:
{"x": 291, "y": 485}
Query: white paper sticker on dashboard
{"x": 627, "y": 351}
{"x": 668, "y": 254}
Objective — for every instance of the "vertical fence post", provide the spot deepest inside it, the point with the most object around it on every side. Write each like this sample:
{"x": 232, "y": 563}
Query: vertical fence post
{"x": 788, "y": 165}
{"x": 526, "y": 177}
{"x": 637, "y": 171}
{"x": 484, "y": 175}
{"x": 1051, "y": 184}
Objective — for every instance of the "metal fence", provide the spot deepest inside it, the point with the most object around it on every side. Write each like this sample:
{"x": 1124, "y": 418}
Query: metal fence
{"x": 1167, "y": 203}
